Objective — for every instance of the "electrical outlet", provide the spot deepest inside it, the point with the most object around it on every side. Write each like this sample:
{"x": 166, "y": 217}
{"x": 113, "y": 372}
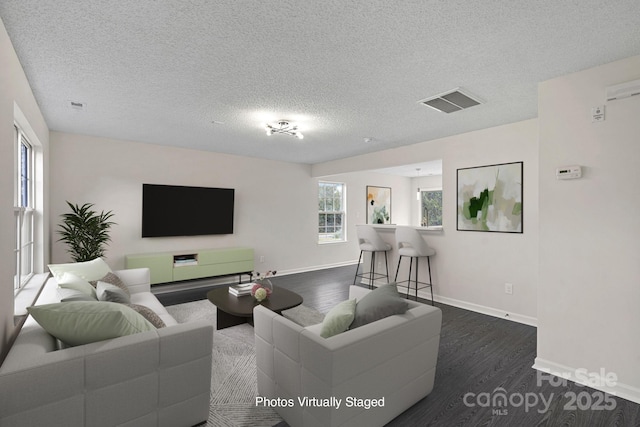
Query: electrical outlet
{"x": 262, "y": 258}
{"x": 508, "y": 288}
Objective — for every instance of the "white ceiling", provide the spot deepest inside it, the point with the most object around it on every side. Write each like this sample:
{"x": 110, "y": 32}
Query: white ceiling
{"x": 415, "y": 170}
{"x": 208, "y": 74}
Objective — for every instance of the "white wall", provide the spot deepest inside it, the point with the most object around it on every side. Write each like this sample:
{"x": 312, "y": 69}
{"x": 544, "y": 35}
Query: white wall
{"x": 276, "y": 202}
{"x": 589, "y": 289}
{"x": 14, "y": 90}
{"x": 471, "y": 268}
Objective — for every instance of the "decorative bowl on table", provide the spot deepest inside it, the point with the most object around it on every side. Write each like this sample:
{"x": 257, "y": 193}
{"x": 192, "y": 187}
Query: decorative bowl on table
{"x": 263, "y": 287}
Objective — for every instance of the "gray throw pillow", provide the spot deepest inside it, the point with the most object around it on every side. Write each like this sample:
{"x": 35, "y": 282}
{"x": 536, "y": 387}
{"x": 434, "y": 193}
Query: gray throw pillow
{"x": 382, "y": 302}
{"x": 111, "y": 293}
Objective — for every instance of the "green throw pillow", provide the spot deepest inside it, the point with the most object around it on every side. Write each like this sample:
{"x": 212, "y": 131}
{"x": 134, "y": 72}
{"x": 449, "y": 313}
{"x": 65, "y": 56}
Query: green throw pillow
{"x": 83, "y": 322}
{"x": 338, "y": 319}
{"x": 382, "y": 302}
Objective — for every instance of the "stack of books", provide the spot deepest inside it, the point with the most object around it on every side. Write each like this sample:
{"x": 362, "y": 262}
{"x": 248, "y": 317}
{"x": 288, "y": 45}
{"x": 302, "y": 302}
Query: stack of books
{"x": 241, "y": 289}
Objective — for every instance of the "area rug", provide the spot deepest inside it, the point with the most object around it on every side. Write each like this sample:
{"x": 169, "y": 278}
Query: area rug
{"x": 233, "y": 372}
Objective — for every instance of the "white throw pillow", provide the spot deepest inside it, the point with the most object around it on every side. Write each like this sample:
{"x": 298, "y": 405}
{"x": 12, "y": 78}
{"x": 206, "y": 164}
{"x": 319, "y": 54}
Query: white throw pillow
{"x": 71, "y": 281}
{"x": 89, "y": 270}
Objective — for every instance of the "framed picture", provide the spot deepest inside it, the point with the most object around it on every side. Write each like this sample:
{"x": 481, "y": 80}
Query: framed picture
{"x": 378, "y": 205}
{"x": 490, "y": 198}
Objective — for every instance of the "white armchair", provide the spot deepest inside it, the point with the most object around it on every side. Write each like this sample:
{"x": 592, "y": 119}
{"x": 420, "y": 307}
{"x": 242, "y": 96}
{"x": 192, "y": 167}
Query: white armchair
{"x": 390, "y": 362}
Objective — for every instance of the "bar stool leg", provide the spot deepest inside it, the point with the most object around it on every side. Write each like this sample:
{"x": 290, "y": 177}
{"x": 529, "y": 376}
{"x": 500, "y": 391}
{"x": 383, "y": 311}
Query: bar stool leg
{"x": 372, "y": 270}
{"x": 430, "y": 281}
{"x": 357, "y": 267}
{"x": 409, "y": 281}
{"x": 386, "y": 262}
{"x": 398, "y": 269}
{"x": 417, "y": 265}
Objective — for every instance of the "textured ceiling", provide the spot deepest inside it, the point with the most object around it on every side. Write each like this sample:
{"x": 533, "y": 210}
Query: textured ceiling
{"x": 164, "y": 71}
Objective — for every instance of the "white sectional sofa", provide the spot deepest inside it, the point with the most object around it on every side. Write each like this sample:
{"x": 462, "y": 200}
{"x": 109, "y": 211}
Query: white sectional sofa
{"x": 157, "y": 378}
{"x": 391, "y": 362}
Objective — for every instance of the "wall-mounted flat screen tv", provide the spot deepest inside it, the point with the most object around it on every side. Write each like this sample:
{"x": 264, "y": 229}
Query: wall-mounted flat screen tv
{"x": 173, "y": 210}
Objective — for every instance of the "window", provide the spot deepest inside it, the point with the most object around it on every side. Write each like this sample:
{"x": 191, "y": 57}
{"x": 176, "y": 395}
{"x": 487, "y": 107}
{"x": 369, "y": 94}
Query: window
{"x": 23, "y": 210}
{"x": 331, "y": 212}
{"x": 431, "y": 207}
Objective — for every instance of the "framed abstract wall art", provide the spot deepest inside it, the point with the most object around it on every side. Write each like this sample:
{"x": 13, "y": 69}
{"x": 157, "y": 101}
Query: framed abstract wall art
{"x": 490, "y": 198}
{"x": 378, "y": 205}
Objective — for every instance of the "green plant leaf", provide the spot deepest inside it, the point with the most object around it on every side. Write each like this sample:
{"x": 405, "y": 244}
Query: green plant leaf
{"x": 85, "y": 231}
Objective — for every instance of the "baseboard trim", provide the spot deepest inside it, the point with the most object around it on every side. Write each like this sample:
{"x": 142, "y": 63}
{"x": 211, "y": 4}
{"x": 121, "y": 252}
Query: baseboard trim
{"x": 233, "y": 279}
{"x": 423, "y": 293}
{"x": 588, "y": 379}
{"x": 490, "y": 311}
{"x": 317, "y": 267}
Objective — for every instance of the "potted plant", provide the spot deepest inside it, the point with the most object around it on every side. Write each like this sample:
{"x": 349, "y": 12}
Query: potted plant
{"x": 85, "y": 231}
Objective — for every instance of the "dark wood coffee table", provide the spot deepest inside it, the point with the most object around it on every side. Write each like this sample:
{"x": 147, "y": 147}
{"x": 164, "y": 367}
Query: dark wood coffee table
{"x": 233, "y": 310}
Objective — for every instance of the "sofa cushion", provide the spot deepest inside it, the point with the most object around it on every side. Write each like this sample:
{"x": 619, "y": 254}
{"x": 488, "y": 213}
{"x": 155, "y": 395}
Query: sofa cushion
{"x": 89, "y": 270}
{"x": 112, "y": 293}
{"x": 69, "y": 280}
{"x": 113, "y": 279}
{"x": 338, "y": 319}
{"x": 83, "y": 322}
{"x": 382, "y": 302}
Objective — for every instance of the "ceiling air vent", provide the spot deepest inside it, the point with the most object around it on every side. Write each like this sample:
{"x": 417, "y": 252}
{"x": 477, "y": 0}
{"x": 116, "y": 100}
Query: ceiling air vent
{"x": 451, "y": 101}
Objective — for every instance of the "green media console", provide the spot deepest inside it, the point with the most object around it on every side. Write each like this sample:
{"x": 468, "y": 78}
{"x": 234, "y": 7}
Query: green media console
{"x": 168, "y": 267}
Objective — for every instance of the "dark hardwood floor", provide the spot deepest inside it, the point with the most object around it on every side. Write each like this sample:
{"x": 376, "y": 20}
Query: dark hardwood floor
{"x": 480, "y": 357}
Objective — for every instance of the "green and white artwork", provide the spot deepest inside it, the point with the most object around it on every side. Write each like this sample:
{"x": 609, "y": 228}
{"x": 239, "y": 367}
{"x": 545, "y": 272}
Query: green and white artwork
{"x": 490, "y": 198}
{"x": 378, "y": 205}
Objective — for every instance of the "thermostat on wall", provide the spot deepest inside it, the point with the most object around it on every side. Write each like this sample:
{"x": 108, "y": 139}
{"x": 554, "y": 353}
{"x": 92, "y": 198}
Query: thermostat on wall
{"x": 569, "y": 172}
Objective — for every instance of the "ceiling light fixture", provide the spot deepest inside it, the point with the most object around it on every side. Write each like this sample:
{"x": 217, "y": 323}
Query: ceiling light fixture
{"x": 284, "y": 127}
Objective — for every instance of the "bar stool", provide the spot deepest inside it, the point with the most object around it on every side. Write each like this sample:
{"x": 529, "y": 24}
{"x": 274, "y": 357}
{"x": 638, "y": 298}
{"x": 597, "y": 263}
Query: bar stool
{"x": 411, "y": 244}
{"x": 370, "y": 241}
